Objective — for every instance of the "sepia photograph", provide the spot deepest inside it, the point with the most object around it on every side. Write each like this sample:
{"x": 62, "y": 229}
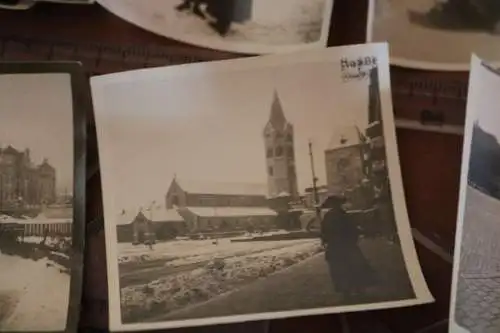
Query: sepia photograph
{"x": 475, "y": 306}
{"x": 37, "y": 221}
{"x": 240, "y": 26}
{"x": 436, "y": 34}
{"x": 253, "y": 189}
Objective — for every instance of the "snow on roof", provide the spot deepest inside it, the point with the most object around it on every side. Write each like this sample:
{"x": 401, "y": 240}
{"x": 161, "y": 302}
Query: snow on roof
{"x": 156, "y": 214}
{"x": 222, "y": 188}
{"x": 8, "y": 219}
{"x": 62, "y": 211}
{"x": 43, "y": 220}
{"x": 231, "y": 211}
{"x": 126, "y": 217}
{"x": 163, "y": 215}
{"x": 345, "y": 137}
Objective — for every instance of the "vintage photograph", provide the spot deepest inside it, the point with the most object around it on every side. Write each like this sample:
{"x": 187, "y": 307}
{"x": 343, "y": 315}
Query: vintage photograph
{"x": 238, "y": 194}
{"x": 476, "y": 289}
{"x": 36, "y": 201}
{"x": 437, "y": 34}
{"x": 241, "y": 26}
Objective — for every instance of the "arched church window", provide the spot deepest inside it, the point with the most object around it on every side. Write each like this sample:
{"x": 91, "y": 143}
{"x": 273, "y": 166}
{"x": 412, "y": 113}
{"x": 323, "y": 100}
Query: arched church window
{"x": 289, "y": 151}
{"x": 270, "y": 170}
{"x": 269, "y": 152}
{"x": 279, "y": 151}
{"x": 289, "y": 137}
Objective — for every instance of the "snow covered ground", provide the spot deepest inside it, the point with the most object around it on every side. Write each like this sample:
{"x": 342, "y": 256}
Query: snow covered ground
{"x": 53, "y": 242}
{"x": 276, "y": 23}
{"x": 214, "y": 269}
{"x": 188, "y": 251}
{"x": 34, "y": 295}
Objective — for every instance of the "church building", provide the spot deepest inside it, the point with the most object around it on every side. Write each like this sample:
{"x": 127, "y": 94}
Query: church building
{"x": 280, "y": 154}
{"x": 220, "y": 206}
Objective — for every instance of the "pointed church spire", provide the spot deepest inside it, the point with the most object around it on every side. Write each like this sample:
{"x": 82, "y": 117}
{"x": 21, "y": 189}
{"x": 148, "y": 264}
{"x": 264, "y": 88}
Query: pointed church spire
{"x": 277, "y": 118}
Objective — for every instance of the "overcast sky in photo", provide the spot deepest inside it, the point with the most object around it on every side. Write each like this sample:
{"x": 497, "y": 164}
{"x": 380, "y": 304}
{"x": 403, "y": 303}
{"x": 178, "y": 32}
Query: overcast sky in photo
{"x": 36, "y": 113}
{"x": 210, "y": 126}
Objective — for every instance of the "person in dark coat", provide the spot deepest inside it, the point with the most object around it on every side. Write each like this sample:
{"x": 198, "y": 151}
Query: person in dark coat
{"x": 193, "y": 5}
{"x": 226, "y": 12}
{"x": 349, "y": 269}
{"x": 222, "y": 11}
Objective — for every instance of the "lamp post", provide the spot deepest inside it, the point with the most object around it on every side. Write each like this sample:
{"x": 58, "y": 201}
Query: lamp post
{"x": 314, "y": 183}
{"x": 150, "y": 209}
{"x": 150, "y": 224}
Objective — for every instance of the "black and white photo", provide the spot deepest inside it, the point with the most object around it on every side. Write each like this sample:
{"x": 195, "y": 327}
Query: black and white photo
{"x": 436, "y": 34}
{"x": 40, "y": 209}
{"x": 241, "y": 26}
{"x": 253, "y": 189}
{"x": 475, "y": 305}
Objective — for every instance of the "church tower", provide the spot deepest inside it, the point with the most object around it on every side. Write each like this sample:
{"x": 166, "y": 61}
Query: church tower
{"x": 280, "y": 153}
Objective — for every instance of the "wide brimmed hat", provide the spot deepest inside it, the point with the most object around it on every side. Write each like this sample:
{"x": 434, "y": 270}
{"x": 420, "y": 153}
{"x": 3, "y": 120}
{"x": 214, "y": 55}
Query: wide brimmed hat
{"x": 334, "y": 201}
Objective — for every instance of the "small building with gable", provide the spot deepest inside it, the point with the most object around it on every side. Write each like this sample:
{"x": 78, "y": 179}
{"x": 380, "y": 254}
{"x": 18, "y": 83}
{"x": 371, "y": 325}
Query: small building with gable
{"x": 149, "y": 225}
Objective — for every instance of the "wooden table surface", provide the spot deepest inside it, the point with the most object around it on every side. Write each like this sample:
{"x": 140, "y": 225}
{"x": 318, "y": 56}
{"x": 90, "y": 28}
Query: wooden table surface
{"x": 430, "y": 161}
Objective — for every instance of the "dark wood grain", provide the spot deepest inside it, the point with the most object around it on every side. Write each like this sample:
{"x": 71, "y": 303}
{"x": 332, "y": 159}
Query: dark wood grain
{"x": 430, "y": 162}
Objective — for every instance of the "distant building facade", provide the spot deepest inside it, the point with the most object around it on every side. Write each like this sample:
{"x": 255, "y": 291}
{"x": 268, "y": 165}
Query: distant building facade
{"x": 22, "y": 182}
{"x": 345, "y": 160}
{"x": 280, "y": 153}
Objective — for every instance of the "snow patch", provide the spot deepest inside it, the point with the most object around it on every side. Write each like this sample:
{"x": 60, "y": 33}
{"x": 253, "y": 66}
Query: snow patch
{"x": 34, "y": 294}
{"x": 224, "y": 272}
